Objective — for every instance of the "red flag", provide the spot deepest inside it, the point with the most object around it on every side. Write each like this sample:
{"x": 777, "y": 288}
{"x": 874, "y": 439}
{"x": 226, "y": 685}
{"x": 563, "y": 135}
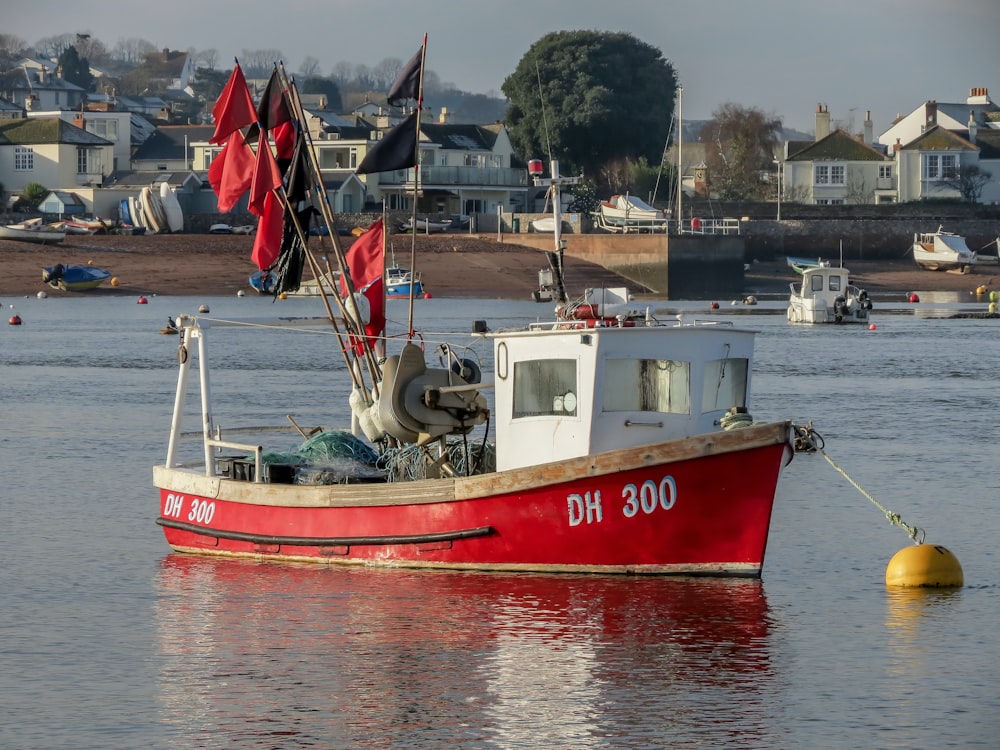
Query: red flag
{"x": 366, "y": 265}
{"x": 267, "y": 243}
{"x": 266, "y": 176}
{"x": 234, "y": 108}
{"x": 231, "y": 172}
{"x": 365, "y": 258}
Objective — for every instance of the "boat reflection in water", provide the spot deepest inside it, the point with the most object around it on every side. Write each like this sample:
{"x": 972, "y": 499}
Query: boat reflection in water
{"x": 372, "y": 657}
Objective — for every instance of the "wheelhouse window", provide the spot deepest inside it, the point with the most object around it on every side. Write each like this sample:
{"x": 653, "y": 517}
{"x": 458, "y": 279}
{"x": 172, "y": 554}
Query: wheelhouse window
{"x": 545, "y": 387}
{"x": 660, "y": 385}
{"x": 940, "y": 166}
{"x": 725, "y": 384}
{"x": 24, "y": 158}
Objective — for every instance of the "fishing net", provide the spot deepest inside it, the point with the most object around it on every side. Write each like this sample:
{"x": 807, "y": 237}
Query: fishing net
{"x": 331, "y": 457}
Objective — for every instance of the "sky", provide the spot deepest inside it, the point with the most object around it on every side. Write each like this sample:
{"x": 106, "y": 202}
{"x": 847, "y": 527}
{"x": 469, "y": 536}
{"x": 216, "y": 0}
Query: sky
{"x": 784, "y": 57}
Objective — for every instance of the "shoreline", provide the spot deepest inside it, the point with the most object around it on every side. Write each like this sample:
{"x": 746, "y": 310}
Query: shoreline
{"x": 465, "y": 266}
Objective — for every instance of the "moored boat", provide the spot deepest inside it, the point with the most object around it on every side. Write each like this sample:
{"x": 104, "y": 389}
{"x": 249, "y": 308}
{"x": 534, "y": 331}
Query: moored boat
{"x": 73, "y": 278}
{"x": 401, "y": 282}
{"x": 427, "y": 226}
{"x": 825, "y": 295}
{"x": 942, "y": 251}
{"x": 602, "y": 440}
{"x": 32, "y": 231}
{"x": 629, "y": 214}
{"x": 799, "y": 265}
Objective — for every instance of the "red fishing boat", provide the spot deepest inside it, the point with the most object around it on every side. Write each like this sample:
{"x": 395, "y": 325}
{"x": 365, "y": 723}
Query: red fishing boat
{"x": 606, "y": 442}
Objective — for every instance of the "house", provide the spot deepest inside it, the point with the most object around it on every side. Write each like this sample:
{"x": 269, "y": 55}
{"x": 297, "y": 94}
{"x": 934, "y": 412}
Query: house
{"x": 53, "y": 153}
{"x": 40, "y": 89}
{"x": 919, "y": 157}
{"x": 124, "y": 129}
{"x": 834, "y": 170}
{"x": 171, "y": 148}
{"x": 464, "y": 169}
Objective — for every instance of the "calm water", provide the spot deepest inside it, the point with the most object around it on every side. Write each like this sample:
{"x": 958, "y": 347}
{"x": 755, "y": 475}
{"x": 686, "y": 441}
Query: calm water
{"x": 108, "y": 640}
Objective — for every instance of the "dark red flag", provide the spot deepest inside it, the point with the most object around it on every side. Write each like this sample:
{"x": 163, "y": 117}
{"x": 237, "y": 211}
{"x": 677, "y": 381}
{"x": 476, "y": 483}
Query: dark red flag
{"x": 407, "y": 83}
{"x": 267, "y": 242}
{"x": 234, "y": 108}
{"x": 231, "y": 172}
{"x": 396, "y": 150}
{"x": 266, "y": 177}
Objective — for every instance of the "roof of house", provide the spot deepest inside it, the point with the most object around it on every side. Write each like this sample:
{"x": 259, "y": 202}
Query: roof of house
{"x": 938, "y": 138}
{"x": 460, "y": 137}
{"x": 838, "y": 146}
{"x": 988, "y": 142}
{"x": 41, "y": 130}
{"x": 66, "y": 198}
{"x": 169, "y": 141}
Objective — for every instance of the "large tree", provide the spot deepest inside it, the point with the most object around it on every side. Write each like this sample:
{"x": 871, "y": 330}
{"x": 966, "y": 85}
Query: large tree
{"x": 588, "y": 98}
{"x": 76, "y": 69}
{"x": 740, "y": 147}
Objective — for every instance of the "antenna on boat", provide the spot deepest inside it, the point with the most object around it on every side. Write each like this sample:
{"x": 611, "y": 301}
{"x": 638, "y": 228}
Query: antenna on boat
{"x": 545, "y": 120}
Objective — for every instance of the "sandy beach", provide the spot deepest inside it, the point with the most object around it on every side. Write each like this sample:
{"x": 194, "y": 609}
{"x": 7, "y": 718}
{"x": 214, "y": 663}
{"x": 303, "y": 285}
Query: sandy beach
{"x": 451, "y": 266}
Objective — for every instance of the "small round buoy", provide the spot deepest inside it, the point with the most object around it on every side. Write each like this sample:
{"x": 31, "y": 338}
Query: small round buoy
{"x": 42, "y": 295}
{"x": 90, "y": 262}
{"x": 992, "y": 307}
{"x": 240, "y": 293}
{"x": 114, "y": 281}
{"x": 142, "y": 301}
{"x": 713, "y": 306}
{"x": 981, "y": 290}
{"x": 872, "y": 327}
{"x": 15, "y": 320}
{"x": 913, "y": 297}
{"x": 283, "y": 295}
{"x": 203, "y": 309}
{"x": 427, "y": 295}
{"x": 929, "y": 565}
{"x": 994, "y": 296}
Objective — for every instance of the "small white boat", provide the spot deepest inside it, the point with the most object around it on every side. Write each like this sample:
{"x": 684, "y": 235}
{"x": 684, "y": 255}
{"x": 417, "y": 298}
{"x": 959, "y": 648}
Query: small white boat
{"x": 942, "y": 251}
{"x": 629, "y": 214}
{"x": 825, "y": 296}
{"x": 801, "y": 264}
{"x": 172, "y": 212}
{"x": 32, "y": 231}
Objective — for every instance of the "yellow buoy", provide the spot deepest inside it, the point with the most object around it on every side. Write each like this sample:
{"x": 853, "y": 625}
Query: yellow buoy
{"x": 929, "y": 565}
{"x": 283, "y": 295}
{"x": 981, "y": 290}
{"x": 114, "y": 281}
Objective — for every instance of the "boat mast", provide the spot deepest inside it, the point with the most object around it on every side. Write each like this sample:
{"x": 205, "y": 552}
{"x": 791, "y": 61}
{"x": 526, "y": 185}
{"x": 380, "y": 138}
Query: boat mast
{"x": 680, "y": 142}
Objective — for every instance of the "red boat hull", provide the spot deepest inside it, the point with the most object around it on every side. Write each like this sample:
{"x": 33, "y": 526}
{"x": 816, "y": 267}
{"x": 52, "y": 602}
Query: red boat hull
{"x": 637, "y": 512}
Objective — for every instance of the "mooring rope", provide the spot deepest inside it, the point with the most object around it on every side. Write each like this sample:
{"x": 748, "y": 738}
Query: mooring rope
{"x": 807, "y": 440}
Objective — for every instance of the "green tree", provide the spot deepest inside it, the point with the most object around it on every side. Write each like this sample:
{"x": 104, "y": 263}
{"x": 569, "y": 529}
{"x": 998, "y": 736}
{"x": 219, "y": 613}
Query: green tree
{"x": 76, "y": 69}
{"x": 319, "y": 85}
{"x": 740, "y": 144}
{"x": 30, "y": 198}
{"x": 588, "y": 98}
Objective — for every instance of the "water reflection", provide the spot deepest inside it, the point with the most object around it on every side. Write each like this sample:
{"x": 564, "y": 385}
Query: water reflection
{"x": 373, "y": 656}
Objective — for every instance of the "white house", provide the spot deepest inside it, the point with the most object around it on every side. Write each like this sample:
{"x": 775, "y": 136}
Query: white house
{"x": 53, "y": 153}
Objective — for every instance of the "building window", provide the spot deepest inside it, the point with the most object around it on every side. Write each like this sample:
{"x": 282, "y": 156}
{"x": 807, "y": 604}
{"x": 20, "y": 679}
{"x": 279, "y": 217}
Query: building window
{"x": 104, "y": 128}
{"x": 885, "y": 171}
{"x": 24, "y": 159}
{"x": 829, "y": 201}
{"x": 81, "y": 161}
{"x": 940, "y": 166}
{"x": 829, "y": 174}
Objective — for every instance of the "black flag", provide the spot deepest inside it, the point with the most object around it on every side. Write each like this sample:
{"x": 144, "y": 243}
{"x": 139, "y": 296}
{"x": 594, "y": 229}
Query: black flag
{"x": 397, "y": 150}
{"x": 407, "y": 83}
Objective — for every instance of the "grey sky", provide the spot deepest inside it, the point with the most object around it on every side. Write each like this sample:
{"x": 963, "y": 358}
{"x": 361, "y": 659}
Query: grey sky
{"x": 782, "y": 56}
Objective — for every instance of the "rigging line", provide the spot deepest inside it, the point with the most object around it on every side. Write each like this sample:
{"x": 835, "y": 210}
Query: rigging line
{"x": 545, "y": 120}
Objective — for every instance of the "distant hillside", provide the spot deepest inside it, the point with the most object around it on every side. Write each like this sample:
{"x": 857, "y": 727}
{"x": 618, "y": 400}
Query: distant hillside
{"x": 466, "y": 109}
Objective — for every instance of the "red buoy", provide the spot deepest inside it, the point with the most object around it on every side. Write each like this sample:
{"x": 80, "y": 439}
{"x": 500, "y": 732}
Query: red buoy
{"x": 142, "y": 301}
{"x": 15, "y": 320}
{"x": 714, "y": 306}
{"x": 914, "y": 297}
{"x": 427, "y": 295}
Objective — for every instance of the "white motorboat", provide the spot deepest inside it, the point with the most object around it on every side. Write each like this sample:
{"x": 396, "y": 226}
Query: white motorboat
{"x": 942, "y": 251}
{"x": 825, "y": 296}
{"x": 629, "y": 214}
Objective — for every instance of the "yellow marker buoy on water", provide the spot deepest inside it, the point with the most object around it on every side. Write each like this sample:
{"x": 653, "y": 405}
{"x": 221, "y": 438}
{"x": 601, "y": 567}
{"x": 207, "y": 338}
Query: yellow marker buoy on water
{"x": 927, "y": 565}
